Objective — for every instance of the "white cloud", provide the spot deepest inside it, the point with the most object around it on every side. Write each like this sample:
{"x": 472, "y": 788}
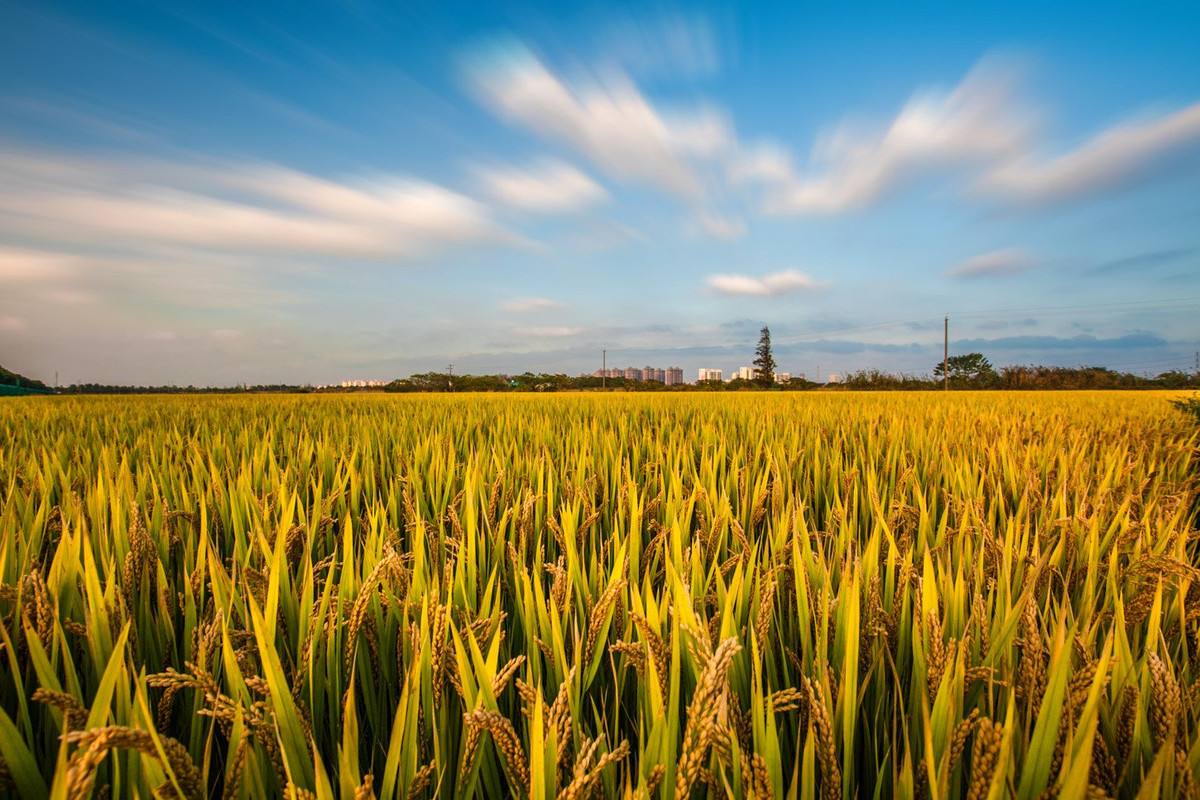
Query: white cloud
{"x": 771, "y": 285}
{"x": 605, "y": 235}
{"x": 232, "y": 206}
{"x": 982, "y": 128}
{"x": 1113, "y": 157}
{"x": 548, "y": 187}
{"x": 68, "y": 297}
{"x": 765, "y": 162}
{"x": 994, "y": 264}
{"x": 606, "y": 118}
{"x": 548, "y": 331}
{"x": 525, "y": 305}
{"x": 978, "y": 122}
{"x": 719, "y": 227}
{"x": 670, "y": 45}
{"x": 33, "y": 266}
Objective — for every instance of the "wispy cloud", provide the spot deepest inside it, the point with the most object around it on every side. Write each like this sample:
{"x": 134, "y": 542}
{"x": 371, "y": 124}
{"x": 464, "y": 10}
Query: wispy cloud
{"x": 997, "y": 263}
{"x": 721, "y": 227}
{"x": 776, "y": 283}
{"x": 669, "y": 45}
{"x": 982, "y": 132}
{"x": 1142, "y": 261}
{"x": 18, "y": 265}
{"x": 1129, "y": 341}
{"x": 548, "y": 331}
{"x": 12, "y": 324}
{"x": 232, "y": 207}
{"x": 976, "y": 122}
{"x": 605, "y": 118}
{"x": 547, "y": 187}
{"x": 1113, "y": 158}
{"x": 526, "y": 305}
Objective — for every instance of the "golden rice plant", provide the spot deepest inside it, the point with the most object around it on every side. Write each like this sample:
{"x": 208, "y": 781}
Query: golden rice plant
{"x": 974, "y": 595}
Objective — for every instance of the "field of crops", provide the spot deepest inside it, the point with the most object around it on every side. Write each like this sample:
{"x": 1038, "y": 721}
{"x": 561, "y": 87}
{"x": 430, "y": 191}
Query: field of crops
{"x": 819, "y": 595}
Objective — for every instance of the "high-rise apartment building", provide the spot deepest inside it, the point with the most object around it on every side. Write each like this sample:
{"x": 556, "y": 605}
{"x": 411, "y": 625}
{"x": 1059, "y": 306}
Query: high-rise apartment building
{"x": 707, "y": 374}
{"x": 743, "y": 374}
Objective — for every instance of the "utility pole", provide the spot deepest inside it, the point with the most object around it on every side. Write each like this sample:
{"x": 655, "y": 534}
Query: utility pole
{"x": 946, "y": 353}
{"x": 603, "y": 369}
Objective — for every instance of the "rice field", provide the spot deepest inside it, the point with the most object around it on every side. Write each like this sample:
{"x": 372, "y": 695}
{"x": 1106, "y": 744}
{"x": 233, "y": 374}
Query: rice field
{"x": 979, "y": 595}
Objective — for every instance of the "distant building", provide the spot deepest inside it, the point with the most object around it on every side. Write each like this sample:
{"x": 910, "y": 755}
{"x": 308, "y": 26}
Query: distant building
{"x": 743, "y": 374}
{"x": 783, "y": 377}
{"x": 673, "y": 376}
{"x": 645, "y": 374}
{"x": 834, "y": 378}
{"x": 706, "y": 374}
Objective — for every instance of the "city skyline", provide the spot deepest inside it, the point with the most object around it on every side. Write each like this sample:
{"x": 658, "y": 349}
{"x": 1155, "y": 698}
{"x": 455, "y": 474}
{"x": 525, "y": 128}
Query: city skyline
{"x": 224, "y": 195}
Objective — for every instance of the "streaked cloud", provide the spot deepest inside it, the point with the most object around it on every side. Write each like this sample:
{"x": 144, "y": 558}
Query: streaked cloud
{"x": 1131, "y": 341}
{"x": 977, "y": 122}
{"x": 526, "y": 305}
{"x": 548, "y": 331}
{"x": 12, "y": 324}
{"x": 764, "y": 162}
{"x": 603, "y": 117}
{"x": 721, "y": 227}
{"x": 776, "y": 283}
{"x": 18, "y": 265}
{"x": 1113, "y": 158}
{"x": 982, "y": 132}
{"x": 996, "y": 263}
{"x": 1142, "y": 261}
{"x": 233, "y": 207}
{"x": 670, "y": 45}
{"x": 605, "y": 235}
{"x": 547, "y": 187}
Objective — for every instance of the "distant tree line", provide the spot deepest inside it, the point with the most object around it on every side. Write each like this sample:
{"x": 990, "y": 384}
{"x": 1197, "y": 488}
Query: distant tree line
{"x": 974, "y": 371}
{"x": 969, "y": 371}
{"x": 558, "y": 382}
{"x": 10, "y": 378}
{"x": 105, "y": 388}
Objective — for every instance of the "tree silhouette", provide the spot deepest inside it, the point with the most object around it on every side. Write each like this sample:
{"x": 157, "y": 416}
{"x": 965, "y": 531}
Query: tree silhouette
{"x": 972, "y": 368}
{"x": 764, "y": 361}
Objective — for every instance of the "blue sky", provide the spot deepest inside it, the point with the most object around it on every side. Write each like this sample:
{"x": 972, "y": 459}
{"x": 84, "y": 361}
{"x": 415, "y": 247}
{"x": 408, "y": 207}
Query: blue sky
{"x": 222, "y": 193}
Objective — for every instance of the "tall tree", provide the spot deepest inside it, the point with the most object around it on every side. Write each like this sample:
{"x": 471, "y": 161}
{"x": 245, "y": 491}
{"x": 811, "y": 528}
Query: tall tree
{"x": 764, "y": 361}
{"x": 969, "y": 369}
